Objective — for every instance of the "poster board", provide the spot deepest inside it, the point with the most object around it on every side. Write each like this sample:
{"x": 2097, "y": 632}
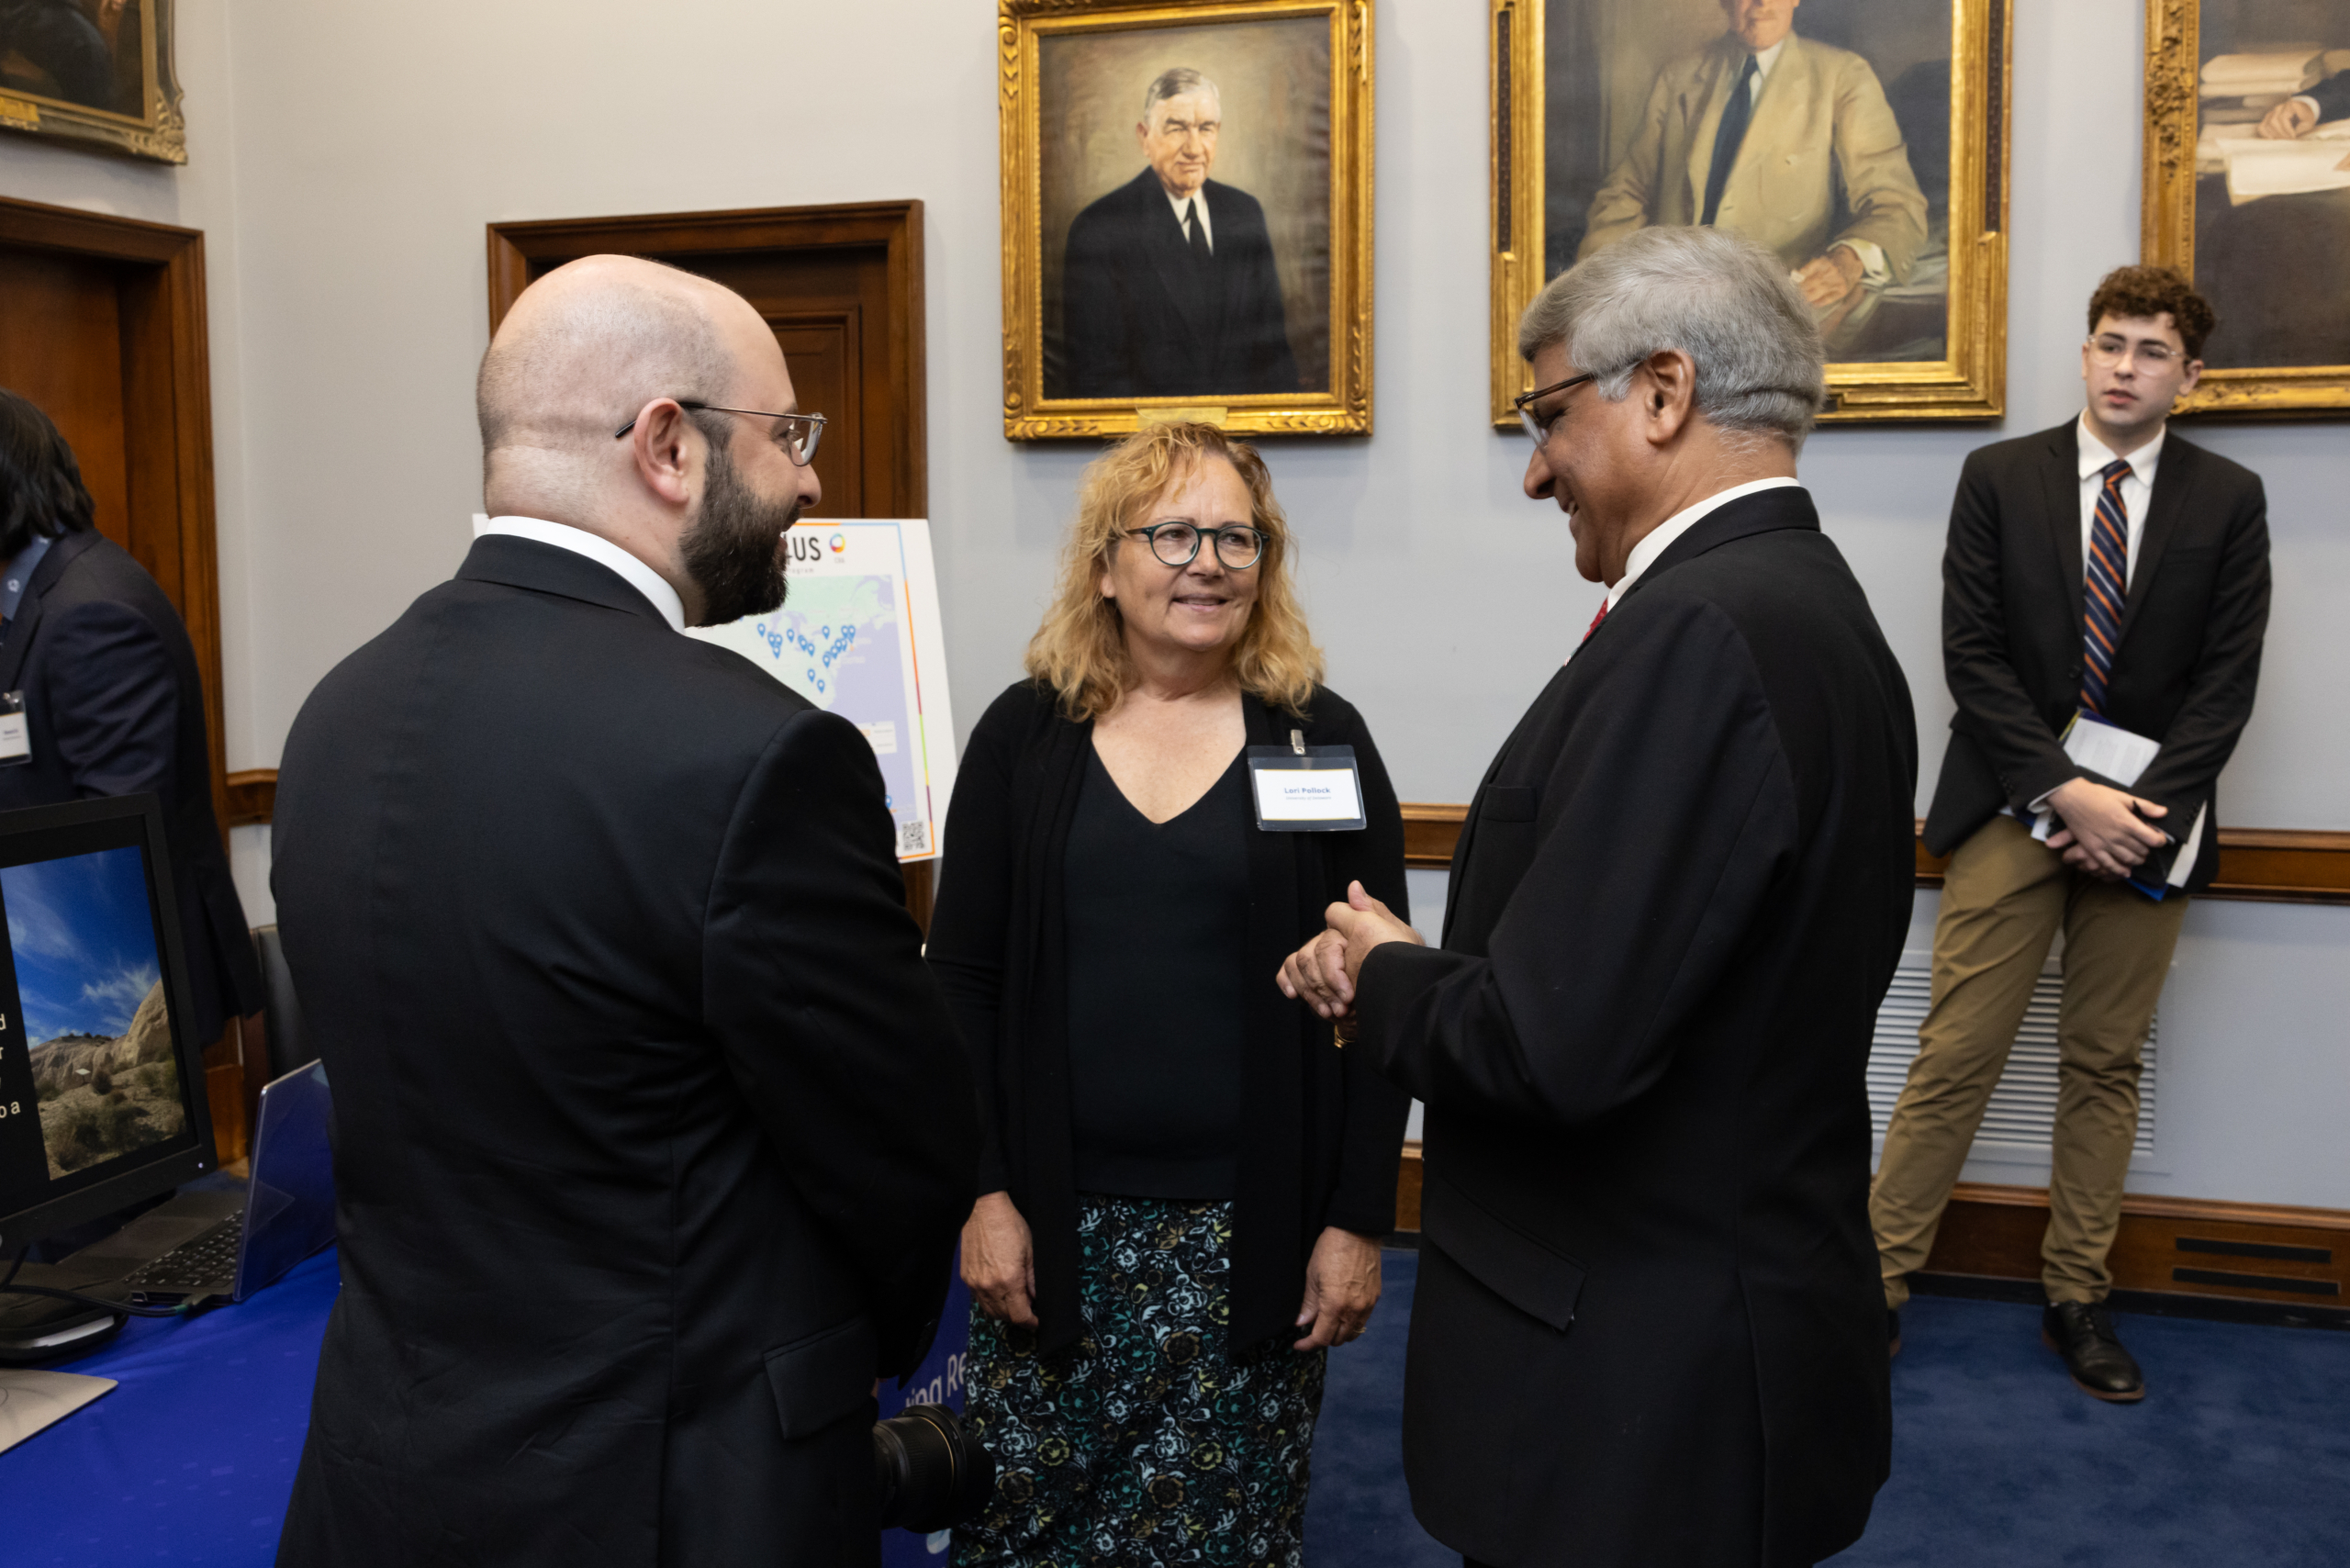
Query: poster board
{"x": 859, "y": 635}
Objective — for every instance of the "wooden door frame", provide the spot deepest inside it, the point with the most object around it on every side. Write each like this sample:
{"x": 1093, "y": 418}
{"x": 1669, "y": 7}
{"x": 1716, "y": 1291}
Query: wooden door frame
{"x": 167, "y": 382}
{"x": 895, "y": 225}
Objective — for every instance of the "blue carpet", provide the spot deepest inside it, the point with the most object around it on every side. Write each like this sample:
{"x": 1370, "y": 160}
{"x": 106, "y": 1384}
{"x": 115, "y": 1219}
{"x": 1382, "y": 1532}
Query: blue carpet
{"x": 2239, "y": 1455}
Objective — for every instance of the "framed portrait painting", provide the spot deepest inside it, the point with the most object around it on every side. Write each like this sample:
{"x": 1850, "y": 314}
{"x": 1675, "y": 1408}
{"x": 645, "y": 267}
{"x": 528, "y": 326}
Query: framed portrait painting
{"x": 1186, "y": 216}
{"x": 96, "y": 71}
{"x": 2247, "y": 191}
{"x": 1863, "y": 141}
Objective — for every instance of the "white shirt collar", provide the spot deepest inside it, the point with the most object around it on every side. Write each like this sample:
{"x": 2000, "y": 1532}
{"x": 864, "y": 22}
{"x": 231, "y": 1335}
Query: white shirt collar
{"x": 2096, "y": 455}
{"x": 1768, "y": 58}
{"x": 1659, "y": 538}
{"x": 602, "y": 551}
{"x": 1207, "y": 224}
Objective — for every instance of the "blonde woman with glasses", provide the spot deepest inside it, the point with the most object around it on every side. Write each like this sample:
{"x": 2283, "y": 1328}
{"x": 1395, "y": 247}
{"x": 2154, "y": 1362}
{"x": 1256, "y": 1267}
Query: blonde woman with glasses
{"x": 1185, "y": 1176}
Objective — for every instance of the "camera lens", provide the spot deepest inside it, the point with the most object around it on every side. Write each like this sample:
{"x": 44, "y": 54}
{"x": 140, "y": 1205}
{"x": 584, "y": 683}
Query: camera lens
{"x": 930, "y": 1472}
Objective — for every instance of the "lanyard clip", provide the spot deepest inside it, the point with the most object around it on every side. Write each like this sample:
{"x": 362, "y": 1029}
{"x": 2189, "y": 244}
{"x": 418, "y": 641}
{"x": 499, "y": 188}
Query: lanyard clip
{"x": 1297, "y": 742}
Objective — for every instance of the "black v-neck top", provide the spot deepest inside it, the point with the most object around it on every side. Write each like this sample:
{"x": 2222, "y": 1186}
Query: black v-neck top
{"x": 1157, "y": 939}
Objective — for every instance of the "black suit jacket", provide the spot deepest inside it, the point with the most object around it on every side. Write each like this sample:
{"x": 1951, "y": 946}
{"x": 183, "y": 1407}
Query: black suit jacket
{"x": 2191, "y": 630}
{"x": 2332, "y": 97}
{"x": 1322, "y": 1131}
{"x": 653, "y": 1136}
{"x": 1140, "y": 317}
{"x": 114, "y": 706}
{"x": 1649, "y": 1327}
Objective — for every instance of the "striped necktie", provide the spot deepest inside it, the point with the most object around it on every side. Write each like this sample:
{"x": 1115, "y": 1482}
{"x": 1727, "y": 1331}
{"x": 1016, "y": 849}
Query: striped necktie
{"x": 2107, "y": 586}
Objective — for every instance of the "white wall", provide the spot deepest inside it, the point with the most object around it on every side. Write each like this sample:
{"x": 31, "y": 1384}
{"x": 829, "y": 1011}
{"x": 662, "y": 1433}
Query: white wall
{"x": 346, "y": 158}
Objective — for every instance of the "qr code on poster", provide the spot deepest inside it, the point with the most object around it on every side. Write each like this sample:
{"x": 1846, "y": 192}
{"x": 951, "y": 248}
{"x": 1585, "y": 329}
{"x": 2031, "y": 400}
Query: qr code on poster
{"x": 914, "y": 838}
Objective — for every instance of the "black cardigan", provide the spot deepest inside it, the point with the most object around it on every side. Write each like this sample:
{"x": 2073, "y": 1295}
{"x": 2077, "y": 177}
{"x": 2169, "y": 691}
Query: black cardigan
{"x": 1322, "y": 1131}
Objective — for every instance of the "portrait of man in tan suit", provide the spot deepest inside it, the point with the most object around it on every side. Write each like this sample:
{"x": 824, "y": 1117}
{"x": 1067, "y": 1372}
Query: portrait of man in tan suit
{"x": 1785, "y": 140}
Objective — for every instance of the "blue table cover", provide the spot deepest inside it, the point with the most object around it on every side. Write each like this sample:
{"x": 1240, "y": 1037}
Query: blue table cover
{"x": 191, "y": 1460}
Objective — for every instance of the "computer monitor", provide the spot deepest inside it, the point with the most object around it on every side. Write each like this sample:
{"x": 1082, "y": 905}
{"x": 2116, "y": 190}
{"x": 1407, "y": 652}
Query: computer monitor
{"x": 102, "y": 1097}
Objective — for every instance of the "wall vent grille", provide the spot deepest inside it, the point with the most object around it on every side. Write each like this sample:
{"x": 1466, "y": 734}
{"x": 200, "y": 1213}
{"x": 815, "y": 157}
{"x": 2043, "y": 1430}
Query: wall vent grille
{"x": 2023, "y": 1107}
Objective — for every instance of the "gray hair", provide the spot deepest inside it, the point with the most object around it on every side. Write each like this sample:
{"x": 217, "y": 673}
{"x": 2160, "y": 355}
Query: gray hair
{"x": 1180, "y": 81}
{"x": 1718, "y": 297}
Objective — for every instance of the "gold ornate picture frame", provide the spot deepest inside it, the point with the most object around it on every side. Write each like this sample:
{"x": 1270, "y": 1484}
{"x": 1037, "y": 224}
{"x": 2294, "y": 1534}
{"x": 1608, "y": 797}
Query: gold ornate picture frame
{"x": 2262, "y": 232}
{"x": 1605, "y": 113}
{"x": 1121, "y": 307}
{"x": 99, "y": 75}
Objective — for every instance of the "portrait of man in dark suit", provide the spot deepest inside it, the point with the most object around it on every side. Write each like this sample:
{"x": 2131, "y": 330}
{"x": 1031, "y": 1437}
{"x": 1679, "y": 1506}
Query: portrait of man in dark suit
{"x": 1168, "y": 282}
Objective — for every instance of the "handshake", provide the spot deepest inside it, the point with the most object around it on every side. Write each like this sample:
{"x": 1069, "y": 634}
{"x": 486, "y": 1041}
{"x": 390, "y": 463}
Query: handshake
{"x": 1324, "y": 972}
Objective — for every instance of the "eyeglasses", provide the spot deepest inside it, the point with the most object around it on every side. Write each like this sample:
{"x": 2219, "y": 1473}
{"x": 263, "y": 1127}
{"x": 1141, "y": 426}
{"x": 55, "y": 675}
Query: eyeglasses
{"x": 2153, "y": 356}
{"x": 799, "y": 434}
{"x": 1523, "y": 403}
{"x": 1237, "y": 545}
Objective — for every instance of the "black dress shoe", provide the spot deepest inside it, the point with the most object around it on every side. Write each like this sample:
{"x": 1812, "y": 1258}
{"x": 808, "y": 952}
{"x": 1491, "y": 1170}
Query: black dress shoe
{"x": 2082, "y": 1332}
{"x": 1892, "y": 1333}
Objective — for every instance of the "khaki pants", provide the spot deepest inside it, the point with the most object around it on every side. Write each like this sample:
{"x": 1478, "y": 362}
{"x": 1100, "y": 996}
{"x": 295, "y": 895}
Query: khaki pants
{"x": 2003, "y": 899}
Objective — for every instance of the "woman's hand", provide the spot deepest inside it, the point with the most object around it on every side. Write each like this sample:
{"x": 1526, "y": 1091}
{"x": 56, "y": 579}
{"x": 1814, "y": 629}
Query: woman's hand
{"x": 1324, "y": 972}
{"x": 1341, "y": 1287}
{"x": 999, "y": 1264}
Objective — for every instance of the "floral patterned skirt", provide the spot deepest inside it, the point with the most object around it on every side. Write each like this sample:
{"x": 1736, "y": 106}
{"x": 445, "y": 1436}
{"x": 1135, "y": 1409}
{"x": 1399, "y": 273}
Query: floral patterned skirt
{"x": 1144, "y": 1443}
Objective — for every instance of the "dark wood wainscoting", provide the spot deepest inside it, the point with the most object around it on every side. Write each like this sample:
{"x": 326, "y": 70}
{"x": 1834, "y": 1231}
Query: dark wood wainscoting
{"x": 2263, "y": 864}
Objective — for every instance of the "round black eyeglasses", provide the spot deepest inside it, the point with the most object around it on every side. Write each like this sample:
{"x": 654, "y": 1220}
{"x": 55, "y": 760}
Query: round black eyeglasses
{"x": 1237, "y": 545}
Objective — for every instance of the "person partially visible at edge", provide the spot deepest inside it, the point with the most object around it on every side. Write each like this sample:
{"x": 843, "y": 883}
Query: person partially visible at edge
{"x": 113, "y": 698}
{"x": 1185, "y": 1176}
{"x": 1168, "y": 286}
{"x": 1784, "y": 140}
{"x": 1646, "y": 1329}
{"x": 2107, "y": 570}
{"x": 652, "y": 1134}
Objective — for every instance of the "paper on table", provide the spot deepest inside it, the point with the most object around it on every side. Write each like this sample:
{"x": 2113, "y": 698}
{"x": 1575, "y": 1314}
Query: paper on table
{"x": 2122, "y": 756}
{"x": 30, "y": 1400}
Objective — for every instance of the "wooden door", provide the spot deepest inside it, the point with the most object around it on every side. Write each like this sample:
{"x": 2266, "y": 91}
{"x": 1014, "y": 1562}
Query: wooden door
{"x": 841, "y": 287}
{"x": 102, "y": 324}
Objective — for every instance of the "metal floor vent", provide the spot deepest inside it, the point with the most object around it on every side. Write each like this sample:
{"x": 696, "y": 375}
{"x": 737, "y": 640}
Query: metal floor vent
{"x": 2023, "y": 1112}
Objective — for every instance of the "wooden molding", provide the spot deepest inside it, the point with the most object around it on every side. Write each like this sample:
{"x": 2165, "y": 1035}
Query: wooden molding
{"x": 2262, "y": 864}
{"x": 252, "y": 797}
{"x": 2262, "y": 1252}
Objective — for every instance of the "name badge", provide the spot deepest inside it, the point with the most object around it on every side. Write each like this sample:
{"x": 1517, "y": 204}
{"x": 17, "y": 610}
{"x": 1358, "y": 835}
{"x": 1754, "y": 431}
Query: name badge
{"x": 1306, "y": 789}
{"x": 16, "y": 743}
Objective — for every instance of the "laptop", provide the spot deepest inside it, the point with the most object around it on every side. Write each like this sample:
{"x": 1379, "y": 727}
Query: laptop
{"x": 284, "y": 1214}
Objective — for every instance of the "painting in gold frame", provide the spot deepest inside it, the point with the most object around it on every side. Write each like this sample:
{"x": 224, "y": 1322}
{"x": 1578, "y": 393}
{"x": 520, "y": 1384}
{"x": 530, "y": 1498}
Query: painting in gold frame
{"x": 1123, "y": 122}
{"x": 1604, "y": 116}
{"x": 2250, "y": 197}
{"x": 94, "y": 72}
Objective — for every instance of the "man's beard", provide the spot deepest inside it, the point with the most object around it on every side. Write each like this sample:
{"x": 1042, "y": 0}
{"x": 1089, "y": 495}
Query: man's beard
{"x": 733, "y": 551}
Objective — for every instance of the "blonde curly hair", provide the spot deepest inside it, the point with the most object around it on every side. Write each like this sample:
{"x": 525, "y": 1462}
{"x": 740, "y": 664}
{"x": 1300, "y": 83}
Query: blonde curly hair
{"x": 1080, "y": 649}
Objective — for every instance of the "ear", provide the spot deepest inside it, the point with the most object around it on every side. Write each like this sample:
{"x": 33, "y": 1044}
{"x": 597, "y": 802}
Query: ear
{"x": 665, "y": 456}
{"x": 1667, "y": 385}
{"x": 2194, "y": 375}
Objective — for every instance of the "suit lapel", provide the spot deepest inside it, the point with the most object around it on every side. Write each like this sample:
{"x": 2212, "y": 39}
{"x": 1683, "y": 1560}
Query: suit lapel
{"x": 1170, "y": 256}
{"x": 19, "y": 637}
{"x": 2060, "y": 475}
{"x": 1719, "y": 73}
{"x": 2174, "y": 476}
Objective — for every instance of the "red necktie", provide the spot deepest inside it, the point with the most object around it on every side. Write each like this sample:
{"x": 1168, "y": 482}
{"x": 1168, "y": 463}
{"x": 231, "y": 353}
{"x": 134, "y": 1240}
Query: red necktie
{"x": 1595, "y": 622}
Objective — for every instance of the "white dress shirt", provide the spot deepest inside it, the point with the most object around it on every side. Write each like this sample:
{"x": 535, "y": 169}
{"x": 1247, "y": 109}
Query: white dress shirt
{"x": 602, "y": 551}
{"x": 1207, "y": 228}
{"x": 2137, "y": 490}
{"x": 1659, "y": 539}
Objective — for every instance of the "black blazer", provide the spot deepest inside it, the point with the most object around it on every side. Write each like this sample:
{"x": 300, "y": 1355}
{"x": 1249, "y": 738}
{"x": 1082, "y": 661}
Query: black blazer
{"x": 653, "y": 1136}
{"x": 1649, "y": 1328}
{"x": 1323, "y": 1131}
{"x": 1140, "y": 317}
{"x": 2191, "y": 630}
{"x": 114, "y": 706}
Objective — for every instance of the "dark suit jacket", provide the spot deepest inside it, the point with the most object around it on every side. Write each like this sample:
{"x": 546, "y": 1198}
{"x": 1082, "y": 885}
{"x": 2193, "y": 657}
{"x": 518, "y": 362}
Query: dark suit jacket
{"x": 1649, "y": 1328}
{"x": 1141, "y": 318}
{"x": 653, "y": 1136}
{"x": 114, "y": 706}
{"x": 1323, "y": 1131}
{"x": 2333, "y": 97}
{"x": 2192, "y": 629}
